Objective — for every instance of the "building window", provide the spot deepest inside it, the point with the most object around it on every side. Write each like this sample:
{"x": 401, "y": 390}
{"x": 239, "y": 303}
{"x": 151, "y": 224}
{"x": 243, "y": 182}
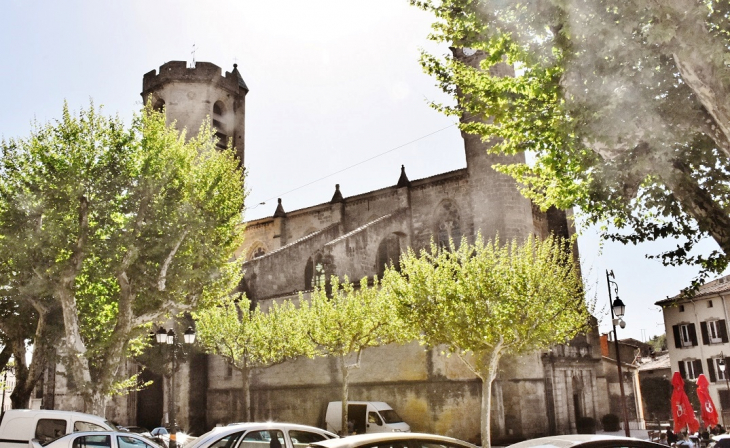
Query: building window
{"x": 681, "y": 308}
{"x": 685, "y": 335}
{"x": 714, "y": 331}
{"x": 448, "y": 225}
{"x": 690, "y": 369}
{"x": 720, "y": 374}
{"x": 388, "y": 254}
{"x": 219, "y": 125}
{"x": 709, "y": 304}
{"x": 315, "y": 275}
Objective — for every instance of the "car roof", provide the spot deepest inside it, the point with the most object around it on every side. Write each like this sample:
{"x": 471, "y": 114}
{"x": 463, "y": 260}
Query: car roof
{"x": 569, "y": 440}
{"x": 362, "y": 439}
{"x": 234, "y": 427}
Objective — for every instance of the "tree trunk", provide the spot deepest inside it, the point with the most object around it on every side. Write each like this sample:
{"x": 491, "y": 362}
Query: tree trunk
{"x": 20, "y": 397}
{"x": 488, "y": 376}
{"x": 95, "y": 404}
{"x": 245, "y": 401}
{"x": 345, "y": 383}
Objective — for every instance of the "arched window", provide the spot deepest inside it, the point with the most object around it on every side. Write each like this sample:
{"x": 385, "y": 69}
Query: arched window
{"x": 159, "y": 105}
{"x": 447, "y": 224}
{"x": 388, "y": 253}
{"x": 315, "y": 274}
{"x": 219, "y": 123}
{"x": 257, "y": 251}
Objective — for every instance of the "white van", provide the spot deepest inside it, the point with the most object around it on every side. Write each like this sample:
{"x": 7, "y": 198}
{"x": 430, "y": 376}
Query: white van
{"x": 366, "y": 417}
{"x": 19, "y": 426}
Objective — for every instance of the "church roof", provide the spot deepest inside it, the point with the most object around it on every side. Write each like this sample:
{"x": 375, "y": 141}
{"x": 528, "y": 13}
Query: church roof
{"x": 241, "y": 82}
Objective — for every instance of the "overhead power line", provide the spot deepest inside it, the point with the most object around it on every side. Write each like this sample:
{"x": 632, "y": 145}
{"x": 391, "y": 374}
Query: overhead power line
{"x": 349, "y": 167}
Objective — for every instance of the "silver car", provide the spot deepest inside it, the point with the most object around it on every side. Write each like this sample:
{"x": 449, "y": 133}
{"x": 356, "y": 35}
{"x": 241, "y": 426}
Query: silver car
{"x": 99, "y": 439}
{"x": 262, "y": 435}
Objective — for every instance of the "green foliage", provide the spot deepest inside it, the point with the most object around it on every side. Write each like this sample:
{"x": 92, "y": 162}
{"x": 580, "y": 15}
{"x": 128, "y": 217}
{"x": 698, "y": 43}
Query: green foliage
{"x": 247, "y": 337}
{"x": 478, "y": 297}
{"x": 119, "y": 226}
{"x": 620, "y": 103}
{"x": 352, "y": 319}
{"x": 657, "y": 394}
{"x": 485, "y": 301}
{"x": 658, "y": 343}
{"x": 610, "y": 422}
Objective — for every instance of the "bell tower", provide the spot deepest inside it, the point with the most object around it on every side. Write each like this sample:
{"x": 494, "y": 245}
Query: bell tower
{"x": 193, "y": 94}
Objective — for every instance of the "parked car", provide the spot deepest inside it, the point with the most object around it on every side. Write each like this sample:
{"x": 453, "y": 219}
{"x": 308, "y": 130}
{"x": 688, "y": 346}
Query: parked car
{"x": 262, "y": 435}
{"x": 394, "y": 440}
{"x": 162, "y": 436}
{"x": 365, "y": 417}
{"x": 19, "y": 426}
{"x": 586, "y": 441}
{"x": 98, "y": 439}
{"x": 137, "y": 430}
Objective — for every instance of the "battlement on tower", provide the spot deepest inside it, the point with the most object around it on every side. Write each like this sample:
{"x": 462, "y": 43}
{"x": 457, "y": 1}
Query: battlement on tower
{"x": 203, "y": 72}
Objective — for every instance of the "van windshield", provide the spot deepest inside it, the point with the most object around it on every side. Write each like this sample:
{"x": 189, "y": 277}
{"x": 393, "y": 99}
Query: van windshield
{"x": 390, "y": 416}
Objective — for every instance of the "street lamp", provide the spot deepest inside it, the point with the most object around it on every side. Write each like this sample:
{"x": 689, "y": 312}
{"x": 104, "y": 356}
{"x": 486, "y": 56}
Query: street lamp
{"x": 167, "y": 337}
{"x": 617, "y": 311}
{"x": 722, "y": 366}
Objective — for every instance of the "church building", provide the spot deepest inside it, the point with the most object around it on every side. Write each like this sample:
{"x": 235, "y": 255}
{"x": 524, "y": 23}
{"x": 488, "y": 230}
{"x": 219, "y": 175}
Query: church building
{"x": 293, "y": 251}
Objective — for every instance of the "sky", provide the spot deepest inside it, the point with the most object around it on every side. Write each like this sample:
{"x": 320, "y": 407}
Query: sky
{"x": 337, "y": 96}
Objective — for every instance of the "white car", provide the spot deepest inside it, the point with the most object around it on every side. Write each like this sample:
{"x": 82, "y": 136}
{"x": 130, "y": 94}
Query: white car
{"x": 262, "y": 435}
{"x": 162, "y": 437}
{"x": 395, "y": 440}
{"x": 99, "y": 439}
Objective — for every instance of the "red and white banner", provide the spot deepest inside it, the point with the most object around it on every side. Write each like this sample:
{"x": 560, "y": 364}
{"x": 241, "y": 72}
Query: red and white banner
{"x": 682, "y": 410}
{"x": 709, "y": 412}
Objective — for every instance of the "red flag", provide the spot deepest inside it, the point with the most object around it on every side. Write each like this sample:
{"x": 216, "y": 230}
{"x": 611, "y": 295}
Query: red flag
{"x": 682, "y": 410}
{"x": 709, "y": 412}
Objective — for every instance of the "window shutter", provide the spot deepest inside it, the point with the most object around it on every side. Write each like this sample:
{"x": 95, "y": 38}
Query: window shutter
{"x": 682, "y": 373}
{"x": 677, "y": 340}
{"x": 705, "y": 334}
{"x": 711, "y": 369}
{"x": 692, "y": 334}
{"x": 722, "y": 328}
{"x": 697, "y": 366}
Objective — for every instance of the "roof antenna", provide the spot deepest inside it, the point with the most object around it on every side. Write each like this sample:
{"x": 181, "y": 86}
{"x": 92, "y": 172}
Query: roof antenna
{"x": 192, "y": 65}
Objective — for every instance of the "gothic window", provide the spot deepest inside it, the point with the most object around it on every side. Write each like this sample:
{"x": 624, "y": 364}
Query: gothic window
{"x": 315, "y": 275}
{"x": 447, "y": 225}
{"x": 388, "y": 253}
{"x": 219, "y": 124}
{"x": 259, "y": 252}
{"x": 159, "y": 105}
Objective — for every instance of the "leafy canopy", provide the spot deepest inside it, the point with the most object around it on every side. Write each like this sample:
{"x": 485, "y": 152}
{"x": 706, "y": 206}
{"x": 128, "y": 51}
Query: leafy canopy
{"x": 625, "y": 106}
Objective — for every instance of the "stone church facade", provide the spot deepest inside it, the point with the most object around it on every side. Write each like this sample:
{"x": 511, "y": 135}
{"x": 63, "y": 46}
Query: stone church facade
{"x": 293, "y": 251}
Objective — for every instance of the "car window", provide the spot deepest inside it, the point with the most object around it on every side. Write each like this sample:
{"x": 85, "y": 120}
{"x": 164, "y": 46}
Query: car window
{"x": 374, "y": 418}
{"x": 390, "y": 416}
{"x": 304, "y": 438}
{"x": 131, "y": 442}
{"x": 92, "y": 442}
{"x": 49, "y": 429}
{"x": 228, "y": 441}
{"x": 269, "y": 438}
{"x": 86, "y": 426}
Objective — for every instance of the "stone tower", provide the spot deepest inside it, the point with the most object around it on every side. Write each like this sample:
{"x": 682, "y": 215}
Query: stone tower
{"x": 192, "y": 94}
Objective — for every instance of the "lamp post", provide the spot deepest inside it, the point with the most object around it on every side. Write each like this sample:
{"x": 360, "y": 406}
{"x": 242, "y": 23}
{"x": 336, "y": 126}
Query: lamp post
{"x": 617, "y": 311}
{"x": 167, "y": 337}
{"x": 722, "y": 366}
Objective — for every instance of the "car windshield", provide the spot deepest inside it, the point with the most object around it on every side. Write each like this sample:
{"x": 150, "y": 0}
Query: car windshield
{"x": 390, "y": 416}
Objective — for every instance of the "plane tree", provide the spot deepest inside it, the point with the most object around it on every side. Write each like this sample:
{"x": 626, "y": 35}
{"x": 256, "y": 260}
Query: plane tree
{"x": 118, "y": 225}
{"x": 484, "y": 301}
{"x": 249, "y": 338}
{"x": 348, "y": 320}
{"x": 624, "y": 105}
